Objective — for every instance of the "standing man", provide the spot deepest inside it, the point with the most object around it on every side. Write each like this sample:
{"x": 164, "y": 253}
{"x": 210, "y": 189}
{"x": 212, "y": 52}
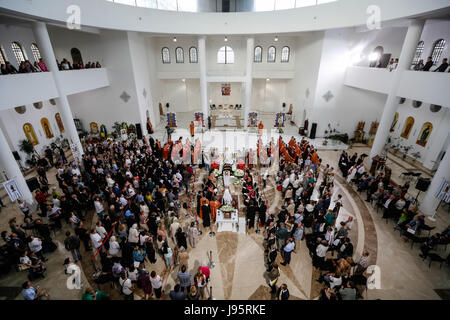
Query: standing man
{"x": 282, "y": 292}
{"x": 287, "y": 251}
{"x": 428, "y": 65}
{"x": 49, "y": 155}
{"x": 273, "y": 274}
{"x": 126, "y": 287}
{"x": 72, "y": 244}
{"x": 192, "y": 128}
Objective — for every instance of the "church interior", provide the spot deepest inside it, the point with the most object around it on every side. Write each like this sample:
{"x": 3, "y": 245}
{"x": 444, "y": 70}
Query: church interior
{"x": 224, "y": 150}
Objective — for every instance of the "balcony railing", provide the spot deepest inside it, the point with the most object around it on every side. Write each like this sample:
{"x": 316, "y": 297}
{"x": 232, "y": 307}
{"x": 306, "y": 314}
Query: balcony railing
{"x": 428, "y": 87}
{"x": 27, "y": 88}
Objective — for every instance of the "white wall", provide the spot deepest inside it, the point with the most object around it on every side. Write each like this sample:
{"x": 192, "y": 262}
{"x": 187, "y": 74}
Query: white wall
{"x": 105, "y": 106}
{"x": 433, "y": 31}
{"x": 105, "y": 14}
{"x": 215, "y": 94}
{"x": 348, "y": 105}
{"x": 89, "y": 44}
{"x": 436, "y": 141}
{"x": 268, "y": 96}
{"x": 301, "y": 90}
{"x": 12, "y": 123}
{"x": 21, "y": 34}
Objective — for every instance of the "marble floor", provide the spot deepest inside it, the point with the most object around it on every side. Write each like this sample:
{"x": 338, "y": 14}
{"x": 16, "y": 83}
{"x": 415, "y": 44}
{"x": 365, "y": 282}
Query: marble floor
{"x": 238, "y": 259}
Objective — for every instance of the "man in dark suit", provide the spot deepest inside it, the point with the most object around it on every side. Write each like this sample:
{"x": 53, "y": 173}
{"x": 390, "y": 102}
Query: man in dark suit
{"x": 443, "y": 66}
{"x": 282, "y": 292}
{"x": 428, "y": 65}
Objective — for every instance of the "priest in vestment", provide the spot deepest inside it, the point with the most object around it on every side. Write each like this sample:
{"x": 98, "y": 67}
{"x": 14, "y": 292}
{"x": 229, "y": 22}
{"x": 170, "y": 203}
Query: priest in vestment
{"x": 227, "y": 199}
{"x": 260, "y": 128}
{"x": 192, "y": 128}
{"x": 214, "y": 205}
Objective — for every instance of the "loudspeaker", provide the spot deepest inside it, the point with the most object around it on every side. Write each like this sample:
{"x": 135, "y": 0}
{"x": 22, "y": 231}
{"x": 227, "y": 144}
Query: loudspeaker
{"x": 138, "y": 131}
{"x": 313, "y": 131}
{"x": 33, "y": 184}
{"x": 423, "y": 184}
{"x": 167, "y": 105}
{"x": 16, "y": 155}
{"x": 284, "y": 104}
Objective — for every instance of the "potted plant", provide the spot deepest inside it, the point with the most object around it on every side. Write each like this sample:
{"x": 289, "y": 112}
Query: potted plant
{"x": 28, "y": 148}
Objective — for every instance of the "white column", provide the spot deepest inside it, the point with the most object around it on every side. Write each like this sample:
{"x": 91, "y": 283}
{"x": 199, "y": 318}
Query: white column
{"x": 9, "y": 164}
{"x": 248, "y": 80}
{"x": 429, "y": 203}
{"x": 409, "y": 47}
{"x": 45, "y": 46}
{"x": 203, "y": 83}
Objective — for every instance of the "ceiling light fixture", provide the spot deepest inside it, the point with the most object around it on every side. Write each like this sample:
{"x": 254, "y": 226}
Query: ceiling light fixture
{"x": 267, "y": 79}
{"x": 184, "y": 80}
{"x": 226, "y": 39}
{"x": 276, "y": 38}
{"x": 174, "y": 39}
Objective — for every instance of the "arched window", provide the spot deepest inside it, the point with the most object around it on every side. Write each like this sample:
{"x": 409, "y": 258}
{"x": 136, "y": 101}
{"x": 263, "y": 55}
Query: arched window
{"x": 165, "y": 53}
{"x": 76, "y": 56}
{"x": 193, "y": 56}
{"x": 258, "y": 54}
{"x": 418, "y": 53}
{"x": 285, "y": 54}
{"x": 179, "y": 55}
{"x": 47, "y": 129}
{"x": 437, "y": 50}
{"x": 271, "y": 54}
{"x": 3, "y": 58}
{"x": 18, "y": 52}
{"x": 36, "y": 52}
{"x": 407, "y": 127}
{"x": 225, "y": 55}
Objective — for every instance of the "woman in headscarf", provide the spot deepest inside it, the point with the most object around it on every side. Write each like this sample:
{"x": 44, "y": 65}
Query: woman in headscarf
{"x": 133, "y": 235}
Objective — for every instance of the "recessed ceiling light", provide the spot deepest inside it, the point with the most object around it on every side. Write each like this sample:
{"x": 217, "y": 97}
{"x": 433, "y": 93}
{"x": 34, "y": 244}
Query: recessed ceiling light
{"x": 174, "y": 39}
{"x": 276, "y": 38}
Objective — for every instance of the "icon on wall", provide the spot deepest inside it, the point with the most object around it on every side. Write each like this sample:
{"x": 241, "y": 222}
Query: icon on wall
{"x": 424, "y": 134}
{"x": 47, "y": 129}
{"x": 226, "y": 89}
{"x": 59, "y": 122}
{"x": 93, "y": 127}
{"x": 409, "y": 123}
{"x": 30, "y": 134}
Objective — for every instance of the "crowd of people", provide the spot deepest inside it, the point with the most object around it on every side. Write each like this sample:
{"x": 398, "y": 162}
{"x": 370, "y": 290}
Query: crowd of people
{"x": 420, "y": 66}
{"x": 304, "y": 216}
{"x": 132, "y": 193}
{"x": 394, "y": 201}
{"x": 66, "y": 65}
{"x": 27, "y": 67}
{"x": 24, "y": 67}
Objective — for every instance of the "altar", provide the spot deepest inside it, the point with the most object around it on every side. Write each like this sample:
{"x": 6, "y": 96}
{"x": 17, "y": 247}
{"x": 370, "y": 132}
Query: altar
{"x": 227, "y": 224}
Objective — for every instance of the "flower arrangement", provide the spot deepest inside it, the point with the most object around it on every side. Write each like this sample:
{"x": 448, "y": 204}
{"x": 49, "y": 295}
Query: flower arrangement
{"x": 227, "y": 208}
{"x": 237, "y": 181}
{"x": 238, "y": 173}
